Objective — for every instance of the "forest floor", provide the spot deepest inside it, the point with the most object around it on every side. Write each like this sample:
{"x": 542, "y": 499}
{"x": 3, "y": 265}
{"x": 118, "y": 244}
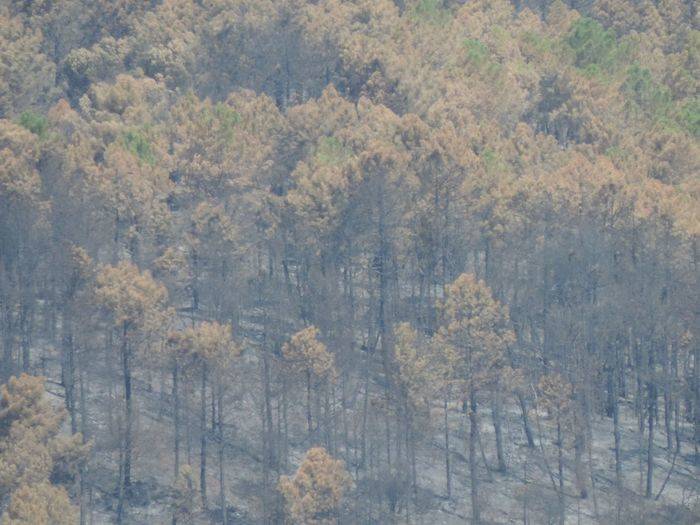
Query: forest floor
{"x": 522, "y": 494}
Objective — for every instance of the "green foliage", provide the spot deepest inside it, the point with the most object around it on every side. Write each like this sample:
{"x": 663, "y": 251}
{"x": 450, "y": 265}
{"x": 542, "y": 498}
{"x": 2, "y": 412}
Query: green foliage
{"x": 34, "y": 122}
{"x": 689, "y": 116}
{"x": 616, "y": 153}
{"x": 477, "y": 52}
{"x": 493, "y": 162}
{"x": 432, "y": 11}
{"x": 643, "y": 92}
{"x": 537, "y": 41}
{"x": 651, "y": 98}
{"x": 136, "y": 143}
{"x": 479, "y": 56}
{"x": 330, "y": 151}
{"x": 224, "y": 118}
{"x": 594, "y": 47}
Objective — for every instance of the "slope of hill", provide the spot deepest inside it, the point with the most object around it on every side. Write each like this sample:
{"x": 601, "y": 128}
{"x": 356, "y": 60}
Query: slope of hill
{"x": 350, "y": 261}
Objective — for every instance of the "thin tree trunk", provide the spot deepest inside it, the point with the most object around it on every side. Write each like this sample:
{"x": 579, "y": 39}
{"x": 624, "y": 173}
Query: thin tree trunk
{"x": 8, "y": 340}
{"x": 616, "y": 435}
{"x": 69, "y": 371}
{"x": 309, "y": 422}
{"x": 176, "y": 416}
{"x": 269, "y": 446}
{"x": 327, "y": 420}
{"x": 526, "y": 420}
{"x": 365, "y": 410}
{"x": 473, "y": 436}
{"x": 651, "y": 406}
{"x": 650, "y": 451}
{"x": 448, "y": 475}
{"x": 125, "y": 449}
{"x": 222, "y": 488}
{"x": 496, "y": 417}
{"x": 203, "y": 438}
{"x": 560, "y": 470}
{"x": 83, "y": 429}
{"x": 411, "y": 443}
{"x": 285, "y": 424}
{"x": 668, "y": 401}
{"x": 579, "y": 445}
{"x": 126, "y": 365}
{"x": 26, "y": 317}
{"x": 120, "y": 497}
{"x": 344, "y": 419}
{"x": 696, "y": 404}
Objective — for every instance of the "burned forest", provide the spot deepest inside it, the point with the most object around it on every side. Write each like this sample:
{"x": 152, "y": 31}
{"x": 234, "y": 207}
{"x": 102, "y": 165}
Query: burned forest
{"x": 349, "y": 262}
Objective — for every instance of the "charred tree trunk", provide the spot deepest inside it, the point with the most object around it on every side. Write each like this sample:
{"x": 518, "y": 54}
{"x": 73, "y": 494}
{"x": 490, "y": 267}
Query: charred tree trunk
{"x": 448, "y": 475}
{"x": 125, "y": 453}
{"x": 220, "y": 426}
{"x": 497, "y": 427}
{"x": 309, "y": 421}
{"x": 473, "y": 436}
{"x": 651, "y": 409}
{"x": 126, "y": 366}
{"x": 176, "y": 417}
{"x": 526, "y": 420}
{"x": 203, "y": 438}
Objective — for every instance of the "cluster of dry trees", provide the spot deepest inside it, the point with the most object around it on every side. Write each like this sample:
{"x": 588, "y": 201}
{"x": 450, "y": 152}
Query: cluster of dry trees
{"x": 242, "y": 236}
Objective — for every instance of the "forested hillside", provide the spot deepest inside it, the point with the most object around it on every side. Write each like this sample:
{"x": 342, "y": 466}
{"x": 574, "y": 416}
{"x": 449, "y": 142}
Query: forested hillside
{"x": 349, "y": 262}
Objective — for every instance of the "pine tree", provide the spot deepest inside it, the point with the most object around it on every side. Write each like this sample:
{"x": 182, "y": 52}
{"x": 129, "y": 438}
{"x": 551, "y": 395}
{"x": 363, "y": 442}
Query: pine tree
{"x": 314, "y": 494}
{"x": 34, "y": 458}
{"x": 135, "y": 306}
{"x": 474, "y": 328}
{"x": 310, "y": 358}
